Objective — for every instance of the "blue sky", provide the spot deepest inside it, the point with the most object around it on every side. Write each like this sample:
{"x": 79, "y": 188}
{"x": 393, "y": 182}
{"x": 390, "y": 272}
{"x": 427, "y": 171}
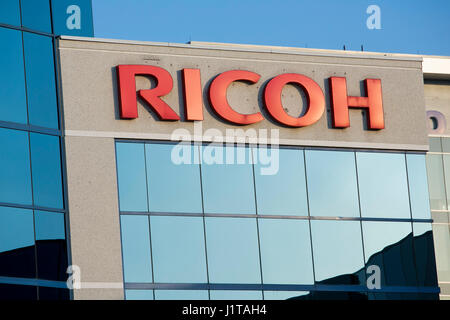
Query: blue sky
{"x": 407, "y": 26}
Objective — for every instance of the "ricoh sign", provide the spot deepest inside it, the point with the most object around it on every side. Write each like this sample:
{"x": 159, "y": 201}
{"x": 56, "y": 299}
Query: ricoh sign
{"x": 193, "y": 101}
{"x": 308, "y": 98}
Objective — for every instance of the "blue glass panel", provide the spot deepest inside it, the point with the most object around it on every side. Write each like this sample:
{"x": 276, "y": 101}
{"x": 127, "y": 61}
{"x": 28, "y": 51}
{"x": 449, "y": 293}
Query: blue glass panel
{"x": 181, "y": 295}
{"x": 136, "y": 248}
{"x": 418, "y": 186}
{"x": 36, "y": 15}
{"x": 16, "y": 228}
{"x": 138, "y": 294}
{"x": 235, "y": 295}
{"x": 284, "y": 295}
{"x": 49, "y": 225}
{"x": 232, "y": 245}
{"x": 15, "y": 178}
{"x": 131, "y": 176}
{"x": 13, "y": 104}
{"x": 40, "y": 73}
{"x": 178, "y": 245}
{"x": 10, "y": 12}
{"x": 227, "y": 184}
{"x": 388, "y": 245}
{"x": 173, "y": 184}
{"x": 436, "y": 185}
{"x": 337, "y": 251}
{"x": 285, "y": 251}
{"x": 17, "y": 250}
{"x": 72, "y": 17}
{"x": 282, "y": 189}
{"x": 46, "y": 166}
{"x": 332, "y": 186}
{"x": 383, "y": 185}
{"x": 51, "y": 247}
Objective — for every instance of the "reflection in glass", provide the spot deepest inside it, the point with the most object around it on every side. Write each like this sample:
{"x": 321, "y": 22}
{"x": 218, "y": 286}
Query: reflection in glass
{"x": 131, "y": 176}
{"x": 138, "y": 294}
{"x": 285, "y": 251}
{"x": 235, "y": 295}
{"x": 136, "y": 248}
{"x": 50, "y": 245}
{"x": 436, "y": 187}
{"x": 40, "y": 74}
{"x": 424, "y": 254}
{"x": 283, "y": 295}
{"x": 383, "y": 185}
{"x": 46, "y": 166}
{"x": 388, "y": 245}
{"x": 36, "y": 15}
{"x": 281, "y": 192}
{"x": 337, "y": 251}
{"x": 181, "y": 295}
{"x": 13, "y": 104}
{"x": 441, "y": 233}
{"x": 418, "y": 186}
{"x": 17, "y": 251}
{"x": 173, "y": 185}
{"x": 232, "y": 245}
{"x": 10, "y": 12}
{"x": 15, "y": 177}
{"x": 178, "y": 246}
{"x": 227, "y": 187}
{"x": 445, "y": 144}
{"x": 332, "y": 176}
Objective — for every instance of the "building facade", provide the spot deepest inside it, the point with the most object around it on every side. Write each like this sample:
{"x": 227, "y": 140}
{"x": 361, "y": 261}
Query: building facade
{"x": 139, "y": 170}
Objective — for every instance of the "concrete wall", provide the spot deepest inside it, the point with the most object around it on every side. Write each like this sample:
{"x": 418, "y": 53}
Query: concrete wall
{"x": 91, "y": 122}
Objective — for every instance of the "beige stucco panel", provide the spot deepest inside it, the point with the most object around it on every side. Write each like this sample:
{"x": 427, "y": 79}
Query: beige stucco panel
{"x": 91, "y": 101}
{"x": 94, "y": 216}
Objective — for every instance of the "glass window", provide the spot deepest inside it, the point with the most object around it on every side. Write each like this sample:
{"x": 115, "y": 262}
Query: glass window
{"x": 17, "y": 251}
{"x": 17, "y": 292}
{"x": 10, "y": 12}
{"x": 13, "y": 104}
{"x": 173, "y": 175}
{"x": 445, "y": 144}
{"x": 15, "y": 178}
{"x": 40, "y": 74}
{"x": 233, "y": 255}
{"x": 50, "y": 245}
{"x": 332, "y": 186}
{"x": 441, "y": 234}
{"x": 235, "y": 295}
{"x": 435, "y": 144}
{"x": 181, "y": 295}
{"x": 388, "y": 245}
{"x": 227, "y": 184}
{"x": 418, "y": 186}
{"x": 284, "y": 295}
{"x": 337, "y": 251}
{"x": 280, "y": 186}
{"x": 436, "y": 187}
{"x": 73, "y": 18}
{"x": 46, "y": 168}
{"x": 36, "y": 15}
{"x": 138, "y": 294}
{"x": 178, "y": 245}
{"x": 285, "y": 251}
{"x": 131, "y": 176}
{"x": 424, "y": 254}
{"x": 136, "y": 248}
{"x": 446, "y": 159}
{"x": 383, "y": 185}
